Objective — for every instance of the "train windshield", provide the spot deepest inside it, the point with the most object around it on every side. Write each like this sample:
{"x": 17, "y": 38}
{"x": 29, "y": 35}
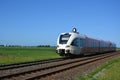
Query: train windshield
{"x": 64, "y": 38}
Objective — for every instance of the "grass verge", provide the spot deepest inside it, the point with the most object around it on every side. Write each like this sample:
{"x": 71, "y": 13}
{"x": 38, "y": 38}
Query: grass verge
{"x": 111, "y": 71}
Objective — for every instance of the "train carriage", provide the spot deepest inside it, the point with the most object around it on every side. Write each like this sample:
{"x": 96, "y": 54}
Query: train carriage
{"x": 73, "y": 43}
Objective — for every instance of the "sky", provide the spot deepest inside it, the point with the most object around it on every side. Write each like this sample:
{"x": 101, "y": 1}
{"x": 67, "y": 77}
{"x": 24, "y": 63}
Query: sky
{"x": 39, "y": 22}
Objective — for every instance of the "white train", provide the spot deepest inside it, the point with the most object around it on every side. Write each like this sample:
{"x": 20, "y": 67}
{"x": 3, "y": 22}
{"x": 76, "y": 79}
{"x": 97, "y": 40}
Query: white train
{"x": 73, "y": 43}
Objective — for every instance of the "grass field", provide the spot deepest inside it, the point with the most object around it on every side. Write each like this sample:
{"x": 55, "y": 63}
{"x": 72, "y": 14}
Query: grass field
{"x": 9, "y": 55}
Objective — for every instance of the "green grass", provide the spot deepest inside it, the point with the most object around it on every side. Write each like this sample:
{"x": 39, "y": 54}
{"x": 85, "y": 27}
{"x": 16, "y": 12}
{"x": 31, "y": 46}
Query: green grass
{"x": 10, "y": 55}
{"x": 112, "y": 71}
{"x": 118, "y": 49}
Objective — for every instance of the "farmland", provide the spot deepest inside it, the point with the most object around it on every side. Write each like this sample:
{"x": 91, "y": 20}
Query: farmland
{"x": 9, "y": 55}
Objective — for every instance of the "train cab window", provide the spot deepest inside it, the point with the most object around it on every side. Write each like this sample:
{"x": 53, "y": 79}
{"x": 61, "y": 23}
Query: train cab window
{"x": 64, "y": 38}
{"x": 75, "y": 42}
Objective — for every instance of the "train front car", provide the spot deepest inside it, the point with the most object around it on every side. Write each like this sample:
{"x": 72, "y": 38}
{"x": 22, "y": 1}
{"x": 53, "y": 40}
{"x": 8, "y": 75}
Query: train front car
{"x": 68, "y": 43}
{"x": 74, "y": 43}
{"x": 62, "y": 44}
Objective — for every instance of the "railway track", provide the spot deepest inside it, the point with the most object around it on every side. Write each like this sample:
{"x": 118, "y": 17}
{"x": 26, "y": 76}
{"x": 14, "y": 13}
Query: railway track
{"x": 53, "y": 67}
{"x": 12, "y": 66}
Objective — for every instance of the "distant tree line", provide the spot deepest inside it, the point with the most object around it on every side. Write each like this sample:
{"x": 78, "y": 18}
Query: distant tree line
{"x": 2, "y": 45}
{"x": 24, "y": 46}
{"x": 10, "y": 46}
{"x": 43, "y": 46}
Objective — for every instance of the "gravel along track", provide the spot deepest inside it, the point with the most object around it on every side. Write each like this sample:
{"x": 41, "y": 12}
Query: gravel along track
{"x": 53, "y": 70}
{"x": 82, "y": 70}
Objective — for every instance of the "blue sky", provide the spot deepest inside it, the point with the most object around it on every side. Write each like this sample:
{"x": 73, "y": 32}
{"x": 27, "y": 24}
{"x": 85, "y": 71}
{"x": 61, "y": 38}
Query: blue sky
{"x": 34, "y": 22}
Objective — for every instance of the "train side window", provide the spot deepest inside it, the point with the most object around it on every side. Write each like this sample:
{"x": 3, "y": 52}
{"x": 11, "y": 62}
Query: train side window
{"x": 82, "y": 42}
{"x": 85, "y": 43}
{"x": 75, "y": 42}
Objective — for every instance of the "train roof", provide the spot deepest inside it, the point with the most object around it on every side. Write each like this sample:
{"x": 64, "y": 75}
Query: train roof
{"x": 74, "y": 32}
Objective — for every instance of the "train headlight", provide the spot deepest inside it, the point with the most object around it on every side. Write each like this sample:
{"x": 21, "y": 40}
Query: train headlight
{"x": 67, "y": 46}
{"x": 74, "y": 30}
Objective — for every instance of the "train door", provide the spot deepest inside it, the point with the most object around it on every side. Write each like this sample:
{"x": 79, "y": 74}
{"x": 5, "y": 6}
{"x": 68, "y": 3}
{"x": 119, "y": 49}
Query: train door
{"x": 82, "y": 45}
{"x": 76, "y": 46}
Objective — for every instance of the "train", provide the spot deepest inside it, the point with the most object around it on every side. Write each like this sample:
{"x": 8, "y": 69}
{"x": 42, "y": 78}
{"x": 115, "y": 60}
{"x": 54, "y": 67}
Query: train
{"x": 74, "y": 43}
